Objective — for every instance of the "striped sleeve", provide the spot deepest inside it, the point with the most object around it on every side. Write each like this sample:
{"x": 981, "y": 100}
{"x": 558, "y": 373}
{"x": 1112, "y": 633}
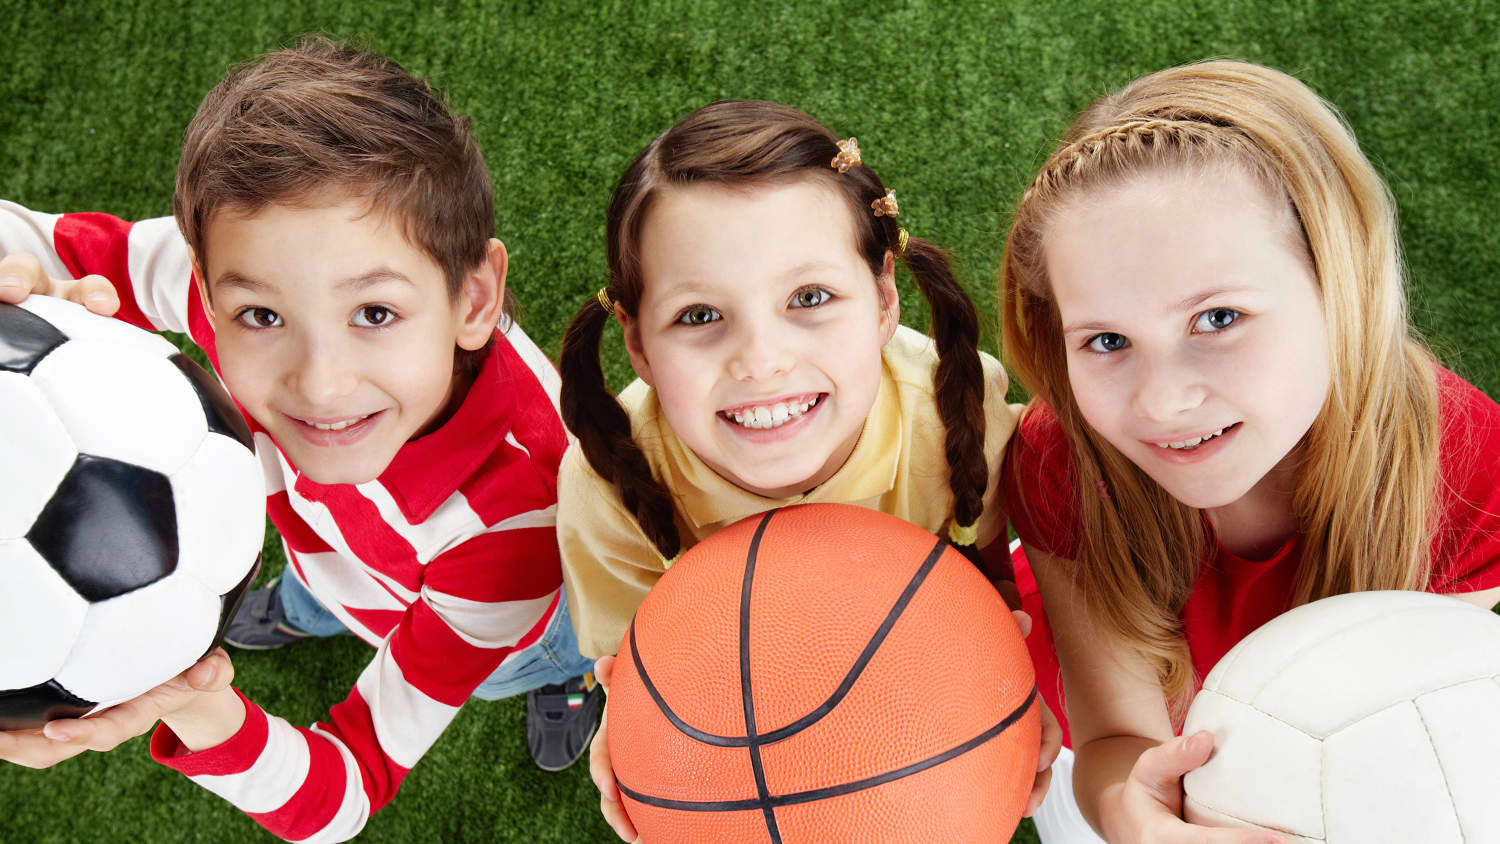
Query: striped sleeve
{"x": 480, "y": 601}
{"x": 147, "y": 262}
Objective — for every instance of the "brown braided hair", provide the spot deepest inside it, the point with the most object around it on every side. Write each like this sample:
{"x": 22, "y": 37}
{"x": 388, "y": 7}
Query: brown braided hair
{"x": 752, "y": 142}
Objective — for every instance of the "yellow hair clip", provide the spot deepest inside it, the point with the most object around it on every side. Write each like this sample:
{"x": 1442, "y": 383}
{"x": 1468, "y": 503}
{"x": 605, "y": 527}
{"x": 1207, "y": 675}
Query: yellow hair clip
{"x": 604, "y": 302}
{"x": 962, "y": 534}
{"x": 848, "y": 156}
{"x": 901, "y": 238}
{"x": 886, "y": 205}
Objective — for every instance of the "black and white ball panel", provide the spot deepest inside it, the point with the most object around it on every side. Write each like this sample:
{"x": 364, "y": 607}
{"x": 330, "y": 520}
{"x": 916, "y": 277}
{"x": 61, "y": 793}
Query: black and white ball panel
{"x": 220, "y": 504}
{"x": 25, "y": 339}
{"x": 35, "y": 450}
{"x": 218, "y": 409}
{"x": 77, "y": 323}
{"x": 123, "y": 404}
{"x": 40, "y": 616}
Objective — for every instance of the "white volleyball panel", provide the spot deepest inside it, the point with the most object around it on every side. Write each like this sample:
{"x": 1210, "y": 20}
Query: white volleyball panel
{"x": 1464, "y": 725}
{"x": 221, "y": 513}
{"x": 1262, "y": 771}
{"x": 1242, "y": 671}
{"x": 1382, "y": 782}
{"x": 1197, "y": 813}
{"x": 139, "y": 640}
{"x": 1374, "y": 663}
{"x": 79, "y": 323}
{"x": 122, "y": 404}
{"x": 40, "y": 617}
{"x": 35, "y": 453}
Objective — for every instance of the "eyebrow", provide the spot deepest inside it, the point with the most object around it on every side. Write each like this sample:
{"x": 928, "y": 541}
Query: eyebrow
{"x": 353, "y": 283}
{"x": 1186, "y": 304}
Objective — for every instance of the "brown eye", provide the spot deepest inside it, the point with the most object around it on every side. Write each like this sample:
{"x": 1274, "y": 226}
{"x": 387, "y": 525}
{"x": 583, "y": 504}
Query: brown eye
{"x": 698, "y": 315}
{"x": 372, "y": 316}
{"x": 259, "y": 318}
{"x": 810, "y": 297}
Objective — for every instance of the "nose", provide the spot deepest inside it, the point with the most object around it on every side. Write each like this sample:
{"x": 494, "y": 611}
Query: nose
{"x": 1167, "y": 386}
{"x": 324, "y": 372}
{"x": 762, "y": 351}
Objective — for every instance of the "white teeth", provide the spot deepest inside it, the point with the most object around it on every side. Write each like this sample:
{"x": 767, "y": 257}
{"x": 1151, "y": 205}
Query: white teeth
{"x": 770, "y": 416}
{"x": 338, "y": 426}
{"x": 1192, "y": 443}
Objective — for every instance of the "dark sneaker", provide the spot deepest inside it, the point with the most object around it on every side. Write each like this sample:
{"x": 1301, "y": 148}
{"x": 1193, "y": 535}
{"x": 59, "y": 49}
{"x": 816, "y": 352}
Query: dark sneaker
{"x": 560, "y": 720}
{"x": 260, "y": 624}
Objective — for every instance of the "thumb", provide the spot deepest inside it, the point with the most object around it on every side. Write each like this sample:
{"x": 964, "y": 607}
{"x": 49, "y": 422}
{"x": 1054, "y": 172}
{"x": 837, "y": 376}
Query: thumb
{"x": 1160, "y": 768}
{"x": 211, "y": 673}
{"x": 604, "y": 671}
{"x": 1023, "y": 621}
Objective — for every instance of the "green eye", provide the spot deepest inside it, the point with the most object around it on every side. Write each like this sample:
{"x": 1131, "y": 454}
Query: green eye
{"x": 698, "y": 315}
{"x": 810, "y": 297}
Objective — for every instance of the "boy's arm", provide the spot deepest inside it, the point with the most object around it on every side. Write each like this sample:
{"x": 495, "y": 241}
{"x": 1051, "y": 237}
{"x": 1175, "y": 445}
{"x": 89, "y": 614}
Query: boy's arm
{"x": 608, "y": 564}
{"x": 146, "y": 262}
{"x": 479, "y": 601}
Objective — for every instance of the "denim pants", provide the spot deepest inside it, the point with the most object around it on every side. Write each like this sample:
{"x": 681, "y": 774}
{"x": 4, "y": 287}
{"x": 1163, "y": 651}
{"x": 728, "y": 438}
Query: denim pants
{"x": 550, "y": 660}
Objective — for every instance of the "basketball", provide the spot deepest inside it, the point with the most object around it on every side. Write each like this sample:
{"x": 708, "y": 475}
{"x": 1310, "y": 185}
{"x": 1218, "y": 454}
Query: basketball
{"x": 823, "y": 672}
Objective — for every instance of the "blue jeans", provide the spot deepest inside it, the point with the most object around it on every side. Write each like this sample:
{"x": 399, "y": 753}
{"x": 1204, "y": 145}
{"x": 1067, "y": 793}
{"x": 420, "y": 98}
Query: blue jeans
{"x": 550, "y": 660}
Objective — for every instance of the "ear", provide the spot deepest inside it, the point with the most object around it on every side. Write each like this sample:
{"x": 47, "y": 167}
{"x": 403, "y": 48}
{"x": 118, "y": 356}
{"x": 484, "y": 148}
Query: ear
{"x": 633, "y": 346}
{"x": 481, "y": 302}
{"x": 200, "y": 281}
{"x": 890, "y": 299}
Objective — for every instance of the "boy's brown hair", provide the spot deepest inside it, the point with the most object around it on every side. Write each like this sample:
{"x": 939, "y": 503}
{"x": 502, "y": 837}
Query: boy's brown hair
{"x": 323, "y": 116}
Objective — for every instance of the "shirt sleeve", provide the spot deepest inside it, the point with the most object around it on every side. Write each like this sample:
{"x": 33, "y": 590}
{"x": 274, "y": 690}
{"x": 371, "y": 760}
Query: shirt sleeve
{"x": 147, "y": 262}
{"x": 608, "y": 563}
{"x": 1038, "y": 484}
{"x": 1466, "y": 546}
{"x": 322, "y": 783}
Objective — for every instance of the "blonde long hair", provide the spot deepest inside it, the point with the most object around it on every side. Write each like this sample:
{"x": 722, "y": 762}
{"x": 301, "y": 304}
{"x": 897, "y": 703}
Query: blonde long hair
{"x": 1368, "y": 472}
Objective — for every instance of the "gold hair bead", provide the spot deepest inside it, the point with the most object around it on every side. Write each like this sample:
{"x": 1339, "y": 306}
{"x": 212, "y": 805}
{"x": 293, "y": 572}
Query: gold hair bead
{"x": 886, "y": 205}
{"x": 901, "y": 238}
{"x": 962, "y": 534}
{"x": 604, "y": 302}
{"x": 848, "y": 155}
{"x": 666, "y": 563}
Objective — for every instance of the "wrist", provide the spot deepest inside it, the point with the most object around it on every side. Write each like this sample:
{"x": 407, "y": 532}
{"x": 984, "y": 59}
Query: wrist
{"x": 207, "y": 721}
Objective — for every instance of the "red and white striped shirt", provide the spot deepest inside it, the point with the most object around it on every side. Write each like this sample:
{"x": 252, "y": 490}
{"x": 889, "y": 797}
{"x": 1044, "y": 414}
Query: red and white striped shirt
{"x": 446, "y": 564}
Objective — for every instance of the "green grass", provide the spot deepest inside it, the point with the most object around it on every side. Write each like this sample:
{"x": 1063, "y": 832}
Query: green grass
{"x": 954, "y": 103}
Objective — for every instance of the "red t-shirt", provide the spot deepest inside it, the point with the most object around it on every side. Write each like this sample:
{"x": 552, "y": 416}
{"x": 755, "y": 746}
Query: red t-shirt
{"x": 1233, "y": 596}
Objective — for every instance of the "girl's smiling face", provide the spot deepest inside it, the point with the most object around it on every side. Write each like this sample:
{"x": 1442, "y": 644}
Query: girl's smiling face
{"x": 1194, "y": 328}
{"x": 760, "y": 327}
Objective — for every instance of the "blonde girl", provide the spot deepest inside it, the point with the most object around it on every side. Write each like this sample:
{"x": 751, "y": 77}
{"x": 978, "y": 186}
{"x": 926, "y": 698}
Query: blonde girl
{"x": 1202, "y": 292}
{"x": 752, "y": 268}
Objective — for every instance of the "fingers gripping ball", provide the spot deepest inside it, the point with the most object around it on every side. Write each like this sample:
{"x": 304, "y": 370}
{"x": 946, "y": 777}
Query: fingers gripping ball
{"x": 131, "y": 514}
{"x": 1373, "y": 716}
{"x": 823, "y": 673}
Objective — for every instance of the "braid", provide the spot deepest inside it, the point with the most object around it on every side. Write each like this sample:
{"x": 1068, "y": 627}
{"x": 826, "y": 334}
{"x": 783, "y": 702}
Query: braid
{"x": 1104, "y": 146}
{"x": 603, "y": 430}
{"x": 958, "y": 383}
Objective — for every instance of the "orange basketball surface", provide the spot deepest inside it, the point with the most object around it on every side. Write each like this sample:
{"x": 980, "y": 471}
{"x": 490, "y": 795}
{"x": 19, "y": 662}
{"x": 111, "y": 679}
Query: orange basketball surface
{"x": 823, "y": 673}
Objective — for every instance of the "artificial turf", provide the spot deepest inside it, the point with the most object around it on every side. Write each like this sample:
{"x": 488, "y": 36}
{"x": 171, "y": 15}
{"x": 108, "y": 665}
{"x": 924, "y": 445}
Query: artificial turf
{"x": 955, "y": 104}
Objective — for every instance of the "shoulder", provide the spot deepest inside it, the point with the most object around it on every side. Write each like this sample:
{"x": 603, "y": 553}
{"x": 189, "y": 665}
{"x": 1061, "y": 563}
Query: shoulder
{"x": 1037, "y": 478}
{"x": 1466, "y": 545}
{"x": 911, "y": 358}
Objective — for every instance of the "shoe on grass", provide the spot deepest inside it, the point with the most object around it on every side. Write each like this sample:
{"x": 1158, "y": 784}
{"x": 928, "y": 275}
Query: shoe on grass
{"x": 560, "y": 720}
{"x": 260, "y": 624}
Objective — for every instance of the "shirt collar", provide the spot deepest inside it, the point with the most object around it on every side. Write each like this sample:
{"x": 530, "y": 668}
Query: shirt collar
{"x": 427, "y": 471}
{"x": 706, "y": 498}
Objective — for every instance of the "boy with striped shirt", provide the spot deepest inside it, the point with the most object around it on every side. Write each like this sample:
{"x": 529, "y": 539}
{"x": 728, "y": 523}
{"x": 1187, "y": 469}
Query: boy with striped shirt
{"x": 331, "y": 253}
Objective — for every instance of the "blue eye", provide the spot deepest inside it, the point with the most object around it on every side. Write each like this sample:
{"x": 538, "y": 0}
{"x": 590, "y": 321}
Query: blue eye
{"x": 372, "y": 316}
{"x": 1106, "y": 342}
{"x": 1215, "y": 319}
{"x": 698, "y": 315}
{"x": 258, "y": 318}
{"x": 810, "y": 297}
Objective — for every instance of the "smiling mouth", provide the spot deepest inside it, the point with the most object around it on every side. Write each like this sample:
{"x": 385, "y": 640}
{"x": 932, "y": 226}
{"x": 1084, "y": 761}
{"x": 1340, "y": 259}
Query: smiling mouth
{"x": 335, "y": 426}
{"x": 766, "y": 416}
{"x": 1190, "y": 444}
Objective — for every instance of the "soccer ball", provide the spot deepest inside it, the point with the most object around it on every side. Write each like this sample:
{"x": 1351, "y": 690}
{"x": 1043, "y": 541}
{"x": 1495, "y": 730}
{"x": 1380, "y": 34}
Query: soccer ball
{"x": 1372, "y": 716}
{"x": 131, "y": 514}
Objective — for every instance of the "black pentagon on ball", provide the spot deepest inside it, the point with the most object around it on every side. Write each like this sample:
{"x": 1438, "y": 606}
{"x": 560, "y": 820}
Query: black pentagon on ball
{"x": 25, "y": 339}
{"x": 24, "y": 709}
{"x": 218, "y": 408}
{"x": 109, "y": 528}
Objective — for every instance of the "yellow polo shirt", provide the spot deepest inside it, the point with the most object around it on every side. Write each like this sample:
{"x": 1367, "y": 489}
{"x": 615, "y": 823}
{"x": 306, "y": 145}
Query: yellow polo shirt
{"x": 897, "y": 467}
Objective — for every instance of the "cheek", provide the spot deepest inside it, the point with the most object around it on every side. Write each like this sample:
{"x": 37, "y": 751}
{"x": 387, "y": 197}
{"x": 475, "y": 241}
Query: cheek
{"x": 1100, "y": 399}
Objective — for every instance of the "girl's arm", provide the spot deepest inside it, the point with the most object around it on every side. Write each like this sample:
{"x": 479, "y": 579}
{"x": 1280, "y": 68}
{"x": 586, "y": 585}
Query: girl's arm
{"x": 1127, "y": 777}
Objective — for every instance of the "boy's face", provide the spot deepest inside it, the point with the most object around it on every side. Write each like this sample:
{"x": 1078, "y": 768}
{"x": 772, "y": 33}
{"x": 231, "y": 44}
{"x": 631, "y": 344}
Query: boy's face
{"x": 334, "y": 332}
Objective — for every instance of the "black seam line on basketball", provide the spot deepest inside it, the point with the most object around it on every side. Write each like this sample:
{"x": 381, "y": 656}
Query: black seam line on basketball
{"x": 746, "y": 692}
{"x": 827, "y": 706}
{"x": 834, "y": 790}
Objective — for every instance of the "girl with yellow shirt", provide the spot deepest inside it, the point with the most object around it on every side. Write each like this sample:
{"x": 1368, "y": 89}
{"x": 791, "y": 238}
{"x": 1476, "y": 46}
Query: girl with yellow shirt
{"x": 752, "y": 268}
